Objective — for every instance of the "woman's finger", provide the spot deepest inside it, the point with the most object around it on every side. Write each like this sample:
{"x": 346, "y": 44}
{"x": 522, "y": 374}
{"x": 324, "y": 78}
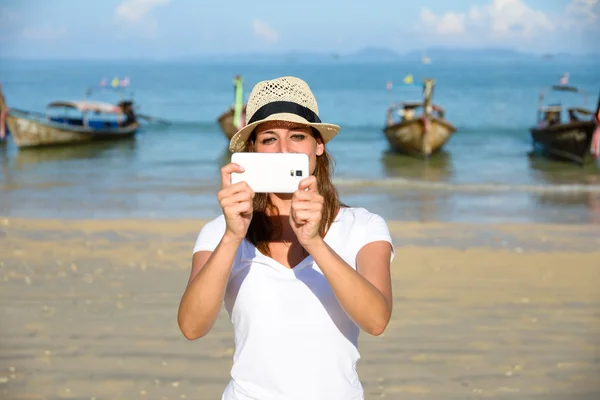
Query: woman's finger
{"x": 234, "y": 189}
{"x": 238, "y": 197}
{"x": 306, "y": 206}
{"x": 303, "y": 216}
{"x": 243, "y": 209}
{"x": 309, "y": 183}
{"x": 226, "y": 172}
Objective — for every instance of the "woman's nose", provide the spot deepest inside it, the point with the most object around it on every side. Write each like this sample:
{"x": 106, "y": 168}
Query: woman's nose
{"x": 283, "y": 147}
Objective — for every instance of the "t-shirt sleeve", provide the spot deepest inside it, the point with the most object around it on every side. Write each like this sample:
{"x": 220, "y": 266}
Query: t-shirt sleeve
{"x": 210, "y": 235}
{"x": 373, "y": 229}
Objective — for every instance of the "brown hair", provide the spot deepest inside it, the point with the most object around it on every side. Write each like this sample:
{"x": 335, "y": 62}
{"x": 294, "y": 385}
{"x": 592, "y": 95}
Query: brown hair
{"x": 266, "y": 227}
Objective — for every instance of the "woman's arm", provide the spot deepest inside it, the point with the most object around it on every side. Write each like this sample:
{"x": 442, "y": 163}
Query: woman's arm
{"x": 202, "y": 299}
{"x": 365, "y": 294}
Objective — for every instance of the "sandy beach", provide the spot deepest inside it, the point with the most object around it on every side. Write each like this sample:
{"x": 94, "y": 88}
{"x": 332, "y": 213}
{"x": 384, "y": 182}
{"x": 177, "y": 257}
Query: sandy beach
{"x": 502, "y": 311}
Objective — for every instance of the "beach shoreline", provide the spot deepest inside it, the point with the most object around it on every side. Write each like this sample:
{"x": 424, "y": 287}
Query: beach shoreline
{"x": 481, "y": 310}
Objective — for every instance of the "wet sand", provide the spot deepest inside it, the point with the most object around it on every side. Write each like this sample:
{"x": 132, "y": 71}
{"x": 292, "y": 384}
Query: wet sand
{"x": 502, "y": 311}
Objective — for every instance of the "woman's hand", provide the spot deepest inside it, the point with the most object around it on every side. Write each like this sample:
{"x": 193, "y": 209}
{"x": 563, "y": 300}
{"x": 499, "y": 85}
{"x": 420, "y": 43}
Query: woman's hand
{"x": 236, "y": 202}
{"x": 306, "y": 211}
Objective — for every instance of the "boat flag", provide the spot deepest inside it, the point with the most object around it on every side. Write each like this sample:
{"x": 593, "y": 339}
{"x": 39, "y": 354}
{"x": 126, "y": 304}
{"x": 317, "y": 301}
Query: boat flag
{"x": 595, "y": 149}
{"x": 124, "y": 82}
{"x": 564, "y": 80}
{"x": 408, "y": 79}
{"x": 116, "y": 82}
{"x": 3, "y": 114}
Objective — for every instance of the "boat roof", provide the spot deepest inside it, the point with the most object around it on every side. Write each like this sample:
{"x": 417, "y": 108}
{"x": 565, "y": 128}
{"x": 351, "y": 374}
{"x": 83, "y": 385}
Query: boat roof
{"x": 412, "y": 104}
{"x": 565, "y": 88}
{"x": 582, "y": 110}
{"x": 408, "y": 104}
{"x": 561, "y": 88}
{"x": 84, "y": 106}
{"x": 555, "y": 108}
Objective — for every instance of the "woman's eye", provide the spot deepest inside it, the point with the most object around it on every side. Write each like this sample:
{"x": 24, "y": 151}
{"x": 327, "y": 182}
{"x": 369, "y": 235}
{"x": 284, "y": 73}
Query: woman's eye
{"x": 267, "y": 140}
{"x": 298, "y": 136}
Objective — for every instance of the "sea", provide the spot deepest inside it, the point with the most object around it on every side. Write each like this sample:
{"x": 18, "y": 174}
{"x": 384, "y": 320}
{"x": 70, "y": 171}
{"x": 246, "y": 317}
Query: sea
{"x": 487, "y": 172}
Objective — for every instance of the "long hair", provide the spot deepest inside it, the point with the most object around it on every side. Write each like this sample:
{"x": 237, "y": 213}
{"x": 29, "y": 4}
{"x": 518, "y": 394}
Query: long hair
{"x": 266, "y": 226}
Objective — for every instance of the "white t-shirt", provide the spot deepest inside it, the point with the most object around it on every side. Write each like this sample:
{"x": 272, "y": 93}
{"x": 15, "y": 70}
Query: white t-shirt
{"x": 292, "y": 338}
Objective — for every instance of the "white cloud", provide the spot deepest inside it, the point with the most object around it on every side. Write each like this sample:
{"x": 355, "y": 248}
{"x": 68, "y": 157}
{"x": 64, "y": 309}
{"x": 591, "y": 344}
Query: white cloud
{"x": 264, "y": 31}
{"x": 584, "y": 12}
{"x": 137, "y": 17}
{"x": 137, "y": 10}
{"x": 44, "y": 33}
{"x": 498, "y": 19}
{"x": 427, "y": 17}
{"x": 475, "y": 14}
{"x": 452, "y": 23}
{"x": 510, "y": 17}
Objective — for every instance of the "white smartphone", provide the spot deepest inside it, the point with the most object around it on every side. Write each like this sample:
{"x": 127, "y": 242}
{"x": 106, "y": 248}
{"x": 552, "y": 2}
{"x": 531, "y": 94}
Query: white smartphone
{"x": 271, "y": 172}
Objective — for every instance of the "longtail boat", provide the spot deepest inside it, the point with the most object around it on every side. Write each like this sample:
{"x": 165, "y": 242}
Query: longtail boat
{"x": 414, "y": 133}
{"x": 572, "y": 137}
{"x": 233, "y": 118}
{"x": 226, "y": 122}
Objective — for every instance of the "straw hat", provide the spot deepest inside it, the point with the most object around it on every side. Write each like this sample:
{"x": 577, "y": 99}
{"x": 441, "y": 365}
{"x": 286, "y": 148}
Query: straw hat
{"x": 282, "y": 99}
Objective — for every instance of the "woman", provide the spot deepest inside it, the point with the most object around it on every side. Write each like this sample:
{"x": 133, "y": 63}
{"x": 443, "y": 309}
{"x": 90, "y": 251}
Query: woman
{"x": 300, "y": 274}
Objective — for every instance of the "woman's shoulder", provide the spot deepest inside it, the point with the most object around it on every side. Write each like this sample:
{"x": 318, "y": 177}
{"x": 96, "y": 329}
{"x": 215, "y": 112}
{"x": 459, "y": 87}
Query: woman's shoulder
{"x": 210, "y": 234}
{"x": 215, "y": 223}
{"x": 356, "y": 227}
{"x": 357, "y": 215}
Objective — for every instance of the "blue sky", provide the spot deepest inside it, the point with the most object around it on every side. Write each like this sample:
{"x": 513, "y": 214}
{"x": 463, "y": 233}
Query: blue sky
{"x": 164, "y": 29}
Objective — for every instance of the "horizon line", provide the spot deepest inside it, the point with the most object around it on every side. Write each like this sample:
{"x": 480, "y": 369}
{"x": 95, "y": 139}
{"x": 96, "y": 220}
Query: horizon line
{"x": 386, "y": 52}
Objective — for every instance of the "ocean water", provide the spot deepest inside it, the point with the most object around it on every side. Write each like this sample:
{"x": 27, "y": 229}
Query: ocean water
{"x": 486, "y": 172}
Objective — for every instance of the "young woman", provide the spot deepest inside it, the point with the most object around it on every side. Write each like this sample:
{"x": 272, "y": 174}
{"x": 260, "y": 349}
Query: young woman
{"x": 300, "y": 275}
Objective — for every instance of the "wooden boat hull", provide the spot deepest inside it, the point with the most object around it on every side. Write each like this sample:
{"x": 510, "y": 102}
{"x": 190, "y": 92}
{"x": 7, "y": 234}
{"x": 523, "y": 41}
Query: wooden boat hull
{"x": 226, "y": 123}
{"x": 409, "y": 137}
{"x": 570, "y": 141}
{"x": 29, "y": 132}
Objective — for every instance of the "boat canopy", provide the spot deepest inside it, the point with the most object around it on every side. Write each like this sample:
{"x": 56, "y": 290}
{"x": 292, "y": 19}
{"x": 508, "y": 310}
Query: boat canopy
{"x": 561, "y": 88}
{"x": 84, "y": 106}
{"x": 407, "y": 104}
{"x": 565, "y": 88}
{"x": 551, "y": 108}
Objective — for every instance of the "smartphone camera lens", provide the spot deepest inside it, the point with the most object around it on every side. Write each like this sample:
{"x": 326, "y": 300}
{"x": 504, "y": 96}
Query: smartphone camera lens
{"x": 298, "y": 172}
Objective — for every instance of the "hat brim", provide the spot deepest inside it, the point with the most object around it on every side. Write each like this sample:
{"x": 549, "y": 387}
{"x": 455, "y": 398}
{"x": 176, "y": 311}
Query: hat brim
{"x": 238, "y": 141}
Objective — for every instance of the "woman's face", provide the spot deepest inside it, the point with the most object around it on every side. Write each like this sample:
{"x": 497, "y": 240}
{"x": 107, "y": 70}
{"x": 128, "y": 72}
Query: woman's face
{"x": 288, "y": 137}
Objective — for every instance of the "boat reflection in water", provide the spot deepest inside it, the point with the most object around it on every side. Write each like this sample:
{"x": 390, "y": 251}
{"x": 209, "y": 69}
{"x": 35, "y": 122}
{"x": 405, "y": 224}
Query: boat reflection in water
{"x": 436, "y": 169}
{"x": 120, "y": 150}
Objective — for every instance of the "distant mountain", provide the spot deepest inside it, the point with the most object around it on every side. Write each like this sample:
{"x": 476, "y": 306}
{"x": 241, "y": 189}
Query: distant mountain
{"x": 264, "y": 57}
{"x": 456, "y": 54}
{"x": 372, "y": 54}
{"x": 565, "y": 56}
{"x": 380, "y": 54}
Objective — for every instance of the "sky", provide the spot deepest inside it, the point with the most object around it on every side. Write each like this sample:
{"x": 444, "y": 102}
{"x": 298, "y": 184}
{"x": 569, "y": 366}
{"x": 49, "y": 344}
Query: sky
{"x": 166, "y": 29}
